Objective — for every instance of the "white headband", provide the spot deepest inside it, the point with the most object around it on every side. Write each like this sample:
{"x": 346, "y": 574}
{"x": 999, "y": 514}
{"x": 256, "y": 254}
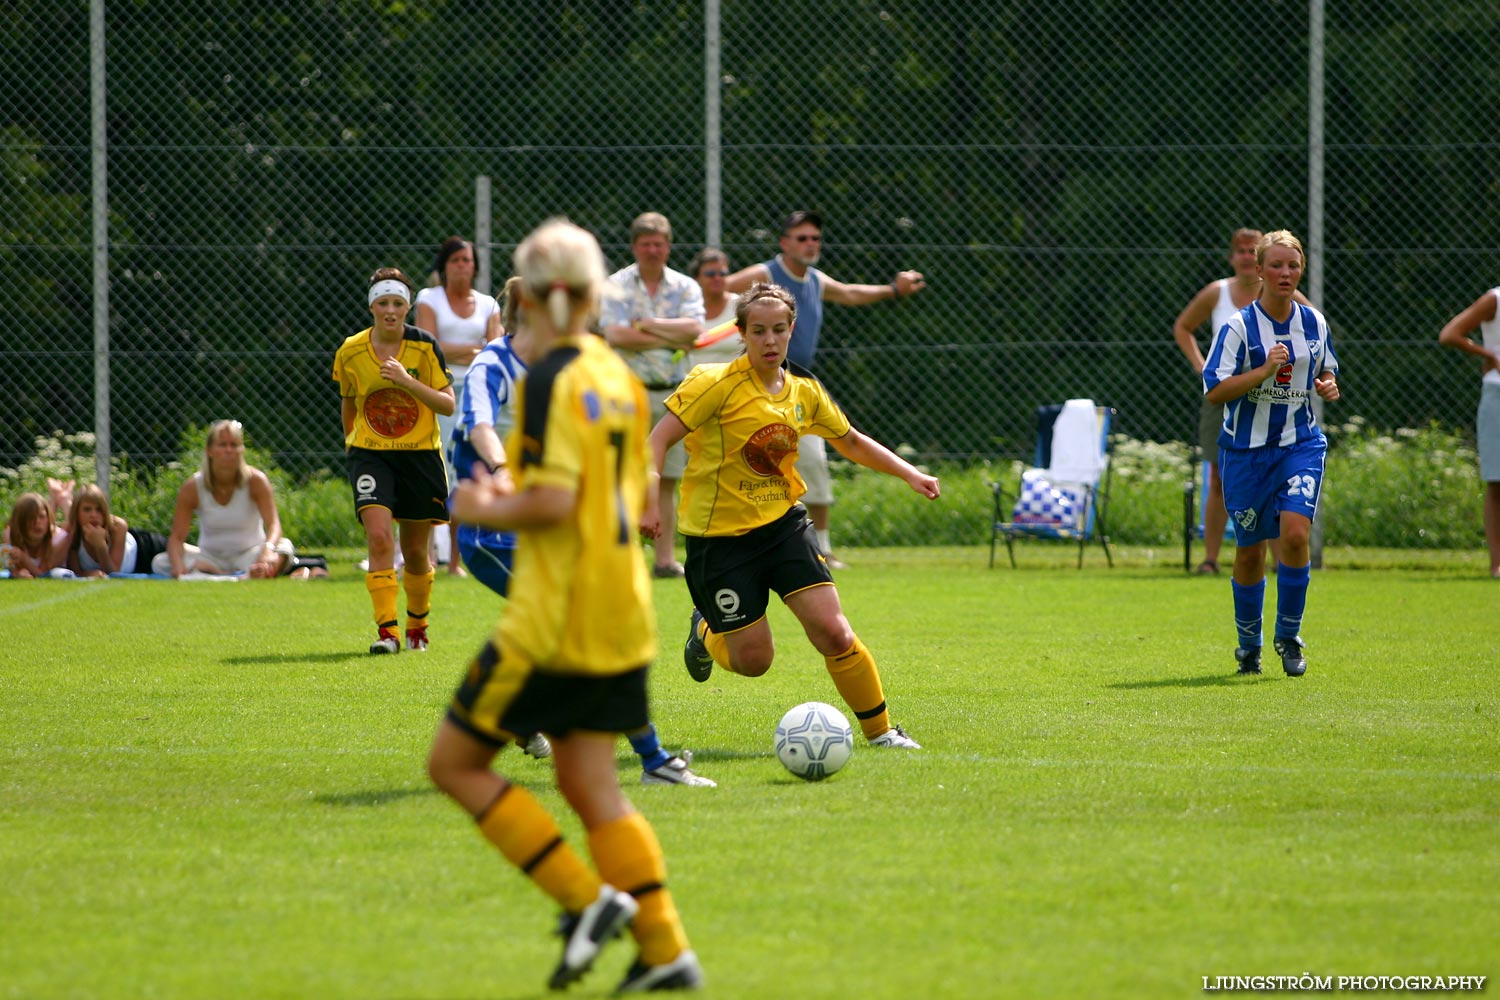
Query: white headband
{"x": 390, "y": 286}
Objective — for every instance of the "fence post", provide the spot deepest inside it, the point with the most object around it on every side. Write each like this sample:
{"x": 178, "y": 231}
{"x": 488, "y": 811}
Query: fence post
{"x": 99, "y": 180}
{"x": 482, "y": 217}
{"x": 1315, "y": 139}
{"x": 713, "y": 224}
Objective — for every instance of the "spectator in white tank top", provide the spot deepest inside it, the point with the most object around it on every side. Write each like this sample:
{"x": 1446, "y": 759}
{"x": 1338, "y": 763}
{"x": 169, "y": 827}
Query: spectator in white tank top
{"x": 239, "y": 530}
{"x": 1482, "y": 317}
{"x": 462, "y": 320}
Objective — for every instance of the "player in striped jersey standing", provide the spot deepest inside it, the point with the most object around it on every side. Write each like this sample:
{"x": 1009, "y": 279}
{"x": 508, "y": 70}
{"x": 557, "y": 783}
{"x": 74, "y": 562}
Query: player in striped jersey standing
{"x": 1264, "y": 366}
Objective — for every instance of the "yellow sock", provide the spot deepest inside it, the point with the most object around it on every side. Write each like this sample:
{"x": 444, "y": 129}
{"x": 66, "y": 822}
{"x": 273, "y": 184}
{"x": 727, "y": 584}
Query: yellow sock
{"x": 717, "y": 646}
{"x": 418, "y": 595}
{"x": 382, "y": 587}
{"x": 858, "y": 682}
{"x": 529, "y": 838}
{"x": 628, "y": 857}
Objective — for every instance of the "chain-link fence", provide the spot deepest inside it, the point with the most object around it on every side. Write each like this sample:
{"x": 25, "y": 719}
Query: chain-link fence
{"x": 1066, "y": 175}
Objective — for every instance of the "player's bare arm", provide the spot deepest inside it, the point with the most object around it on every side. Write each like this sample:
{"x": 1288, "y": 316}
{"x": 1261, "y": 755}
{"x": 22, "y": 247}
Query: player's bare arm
{"x": 481, "y": 500}
{"x": 859, "y": 447}
{"x": 667, "y": 432}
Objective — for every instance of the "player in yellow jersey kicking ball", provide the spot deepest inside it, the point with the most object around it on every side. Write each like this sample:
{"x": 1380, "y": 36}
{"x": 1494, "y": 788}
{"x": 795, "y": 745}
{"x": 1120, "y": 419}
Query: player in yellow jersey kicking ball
{"x": 570, "y": 654}
{"x": 747, "y": 533}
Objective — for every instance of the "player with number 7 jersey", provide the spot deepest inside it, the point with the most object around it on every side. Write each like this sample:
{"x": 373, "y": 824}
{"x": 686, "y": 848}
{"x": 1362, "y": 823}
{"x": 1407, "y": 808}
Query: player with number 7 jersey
{"x": 582, "y": 424}
{"x": 1265, "y": 366}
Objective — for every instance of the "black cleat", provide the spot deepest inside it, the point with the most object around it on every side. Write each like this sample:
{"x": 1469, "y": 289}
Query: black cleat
{"x": 694, "y": 654}
{"x": 1248, "y": 659}
{"x": 585, "y": 933}
{"x": 1290, "y": 651}
{"x": 682, "y": 973}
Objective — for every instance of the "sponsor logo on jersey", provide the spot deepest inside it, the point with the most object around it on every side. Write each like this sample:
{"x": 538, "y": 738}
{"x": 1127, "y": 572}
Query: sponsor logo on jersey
{"x": 767, "y": 448}
{"x": 391, "y": 413}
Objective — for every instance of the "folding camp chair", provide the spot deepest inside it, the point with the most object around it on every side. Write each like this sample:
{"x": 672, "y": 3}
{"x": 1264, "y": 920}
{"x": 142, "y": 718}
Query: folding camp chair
{"x": 1065, "y": 494}
{"x": 1195, "y": 512}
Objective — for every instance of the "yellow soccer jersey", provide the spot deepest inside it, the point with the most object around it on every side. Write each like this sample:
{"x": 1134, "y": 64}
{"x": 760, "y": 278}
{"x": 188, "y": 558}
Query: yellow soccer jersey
{"x": 742, "y": 446}
{"x": 386, "y": 417}
{"x": 580, "y": 597}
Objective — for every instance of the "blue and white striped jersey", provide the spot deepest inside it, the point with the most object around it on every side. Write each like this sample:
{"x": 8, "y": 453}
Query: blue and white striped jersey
{"x": 1279, "y": 410}
{"x": 490, "y": 396}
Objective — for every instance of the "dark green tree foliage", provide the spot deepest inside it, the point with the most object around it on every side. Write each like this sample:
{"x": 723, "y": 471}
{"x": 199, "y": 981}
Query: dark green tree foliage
{"x": 1066, "y": 175}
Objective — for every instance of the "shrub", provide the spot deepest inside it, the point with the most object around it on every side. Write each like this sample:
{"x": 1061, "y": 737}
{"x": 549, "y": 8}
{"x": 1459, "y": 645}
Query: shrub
{"x": 1409, "y": 488}
{"x": 315, "y": 510}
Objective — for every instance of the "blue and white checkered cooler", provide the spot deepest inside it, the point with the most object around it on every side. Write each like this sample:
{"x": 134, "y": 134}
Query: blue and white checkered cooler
{"x": 1042, "y": 503}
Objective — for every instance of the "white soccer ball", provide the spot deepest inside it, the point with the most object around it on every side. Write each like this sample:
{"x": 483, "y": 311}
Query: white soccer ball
{"x": 814, "y": 740}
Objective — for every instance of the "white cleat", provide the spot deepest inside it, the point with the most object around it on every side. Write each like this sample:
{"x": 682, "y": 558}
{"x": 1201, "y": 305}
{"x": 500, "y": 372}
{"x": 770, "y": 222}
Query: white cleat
{"x": 895, "y": 737}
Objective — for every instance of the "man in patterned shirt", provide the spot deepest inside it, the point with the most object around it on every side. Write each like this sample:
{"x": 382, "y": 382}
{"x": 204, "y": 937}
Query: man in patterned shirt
{"x": 651, "y": 315}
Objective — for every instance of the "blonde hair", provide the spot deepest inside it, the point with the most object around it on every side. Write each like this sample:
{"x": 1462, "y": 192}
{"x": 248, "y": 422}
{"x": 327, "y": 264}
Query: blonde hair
{"x": 510, "y": 304}
{"x": 562, "y": 267}
{"x": 27, "y": 507}
{"x": 89, "y": 493}
{"x": 1279, "y": 238}
{"x": 237, "y": 431}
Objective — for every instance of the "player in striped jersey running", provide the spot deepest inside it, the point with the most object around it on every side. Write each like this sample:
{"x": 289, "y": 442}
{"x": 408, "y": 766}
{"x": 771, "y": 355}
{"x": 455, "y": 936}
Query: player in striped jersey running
{"x": 1264, "y": 366}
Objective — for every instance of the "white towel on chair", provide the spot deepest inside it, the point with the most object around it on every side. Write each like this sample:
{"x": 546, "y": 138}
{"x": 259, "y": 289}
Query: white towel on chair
{"x": 1077, "y": 452}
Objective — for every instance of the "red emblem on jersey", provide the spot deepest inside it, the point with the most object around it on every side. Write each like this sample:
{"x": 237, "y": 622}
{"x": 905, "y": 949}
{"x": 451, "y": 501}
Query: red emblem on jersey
{"x": 391, "y": 413}
{"x": 767, "y": 447}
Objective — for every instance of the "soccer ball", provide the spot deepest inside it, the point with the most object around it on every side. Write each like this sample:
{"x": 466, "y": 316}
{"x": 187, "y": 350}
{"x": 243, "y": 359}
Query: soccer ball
{"x": 813, "y": 740}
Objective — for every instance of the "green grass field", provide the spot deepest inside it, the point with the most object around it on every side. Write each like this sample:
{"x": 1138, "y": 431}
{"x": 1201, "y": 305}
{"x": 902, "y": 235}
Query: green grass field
{"x": 210, "y": 790}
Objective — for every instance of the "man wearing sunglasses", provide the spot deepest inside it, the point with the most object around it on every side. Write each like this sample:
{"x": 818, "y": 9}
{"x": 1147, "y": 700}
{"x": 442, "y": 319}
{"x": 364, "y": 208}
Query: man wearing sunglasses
{"x": 795, "y": 270}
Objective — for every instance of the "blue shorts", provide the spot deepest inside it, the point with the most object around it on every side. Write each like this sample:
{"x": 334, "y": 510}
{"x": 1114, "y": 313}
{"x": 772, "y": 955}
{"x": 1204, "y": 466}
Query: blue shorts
{"x": 488, "y": 554}
{"x": 1261, "y": 484}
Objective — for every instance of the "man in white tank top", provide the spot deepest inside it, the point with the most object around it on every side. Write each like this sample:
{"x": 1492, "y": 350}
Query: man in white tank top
{"x": 1484, "y": 315}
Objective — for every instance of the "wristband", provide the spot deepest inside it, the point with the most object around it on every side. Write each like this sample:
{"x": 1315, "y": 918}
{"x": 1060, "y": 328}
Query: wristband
{"x": 895, "y": 293}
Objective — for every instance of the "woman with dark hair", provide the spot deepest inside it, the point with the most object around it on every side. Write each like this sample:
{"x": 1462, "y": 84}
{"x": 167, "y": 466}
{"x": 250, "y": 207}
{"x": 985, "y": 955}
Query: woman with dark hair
{"x": 462, "y": 319}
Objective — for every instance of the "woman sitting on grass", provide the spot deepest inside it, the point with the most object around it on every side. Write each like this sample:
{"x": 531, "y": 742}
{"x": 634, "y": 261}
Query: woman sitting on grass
{"x": 239, "y": 530}
{"x": 100, "y": 543}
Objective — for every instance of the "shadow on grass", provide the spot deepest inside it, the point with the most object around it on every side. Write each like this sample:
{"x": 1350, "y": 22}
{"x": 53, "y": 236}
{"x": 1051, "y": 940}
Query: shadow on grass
{"x": 1213, "y": 680}
{"x": 268, "y": 658}
{"x": 699, "y": 756}
{"x": 372, "y": 797}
